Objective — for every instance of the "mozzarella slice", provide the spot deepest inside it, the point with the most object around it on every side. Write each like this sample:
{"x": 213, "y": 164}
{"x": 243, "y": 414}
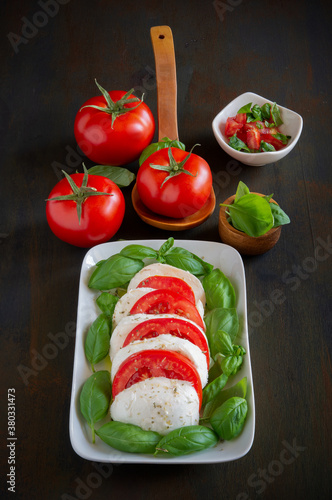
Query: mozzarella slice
{"x": 128, "y": 323}
{"x": 167, "y": 270}
{"x": 169, "y": 343}
{"x": 157, "y": 404}
{"x": 126, "y": 302}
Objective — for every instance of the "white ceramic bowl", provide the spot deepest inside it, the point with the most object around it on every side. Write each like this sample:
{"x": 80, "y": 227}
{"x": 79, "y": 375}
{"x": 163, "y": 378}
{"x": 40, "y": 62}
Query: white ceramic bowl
{"x": 292, "y": 126}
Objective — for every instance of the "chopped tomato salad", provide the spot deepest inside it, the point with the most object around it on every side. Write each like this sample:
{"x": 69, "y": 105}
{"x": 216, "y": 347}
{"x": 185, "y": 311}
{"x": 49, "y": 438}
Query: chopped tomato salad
{"x": 255, "y": 129}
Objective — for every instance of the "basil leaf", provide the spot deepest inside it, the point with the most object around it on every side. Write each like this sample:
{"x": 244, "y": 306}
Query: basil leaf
{"x": 237, "y": 144}
{"x": 114, "y": 272}
{"x": 266, "y": 111}
{"x": 230, "y": 365}
{"x": 183, "y": 259}
{"x": 156, "y": 146}
{"x": 251, "y": 214}
{"x": 106, "y": 303}
{"x": 257, "y": 112}
{"x": 139, "y": 252}
{"x": 211, "y": 390}
{"x": 265, "y": 146}
{"x": 221, "y": 319}
{"x": 223, "y": 343}
{"x": 122, "y": 177}
{"x": 228, "y": 420}
{"x": 95, "y": 398}
{"x": 275, "y": 113}
{"x": 219, "y": 290}
{"x": 239, "y": 390}
{"x": 281, "y": 137}
{"x": 97, "y": 343}
{"x": 242, "y": 189}
{"x": 251, "y": 118}
{"x": 128, "y": 437}
{"x": 165, "y": 248}
{"x": 245, "y": 109}
{"x": 186, "y": 440}
{"x": 280, "y": 218}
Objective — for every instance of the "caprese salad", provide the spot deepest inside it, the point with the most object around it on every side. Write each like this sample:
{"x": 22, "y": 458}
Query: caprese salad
{"x": 169, "y": 338}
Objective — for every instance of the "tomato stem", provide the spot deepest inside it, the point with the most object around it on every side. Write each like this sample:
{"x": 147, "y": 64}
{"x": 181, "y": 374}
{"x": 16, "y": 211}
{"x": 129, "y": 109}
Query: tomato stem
{"x": 174, "y": 168}
{"x": 115, "y": 108}
{"x": 80, "y": 194}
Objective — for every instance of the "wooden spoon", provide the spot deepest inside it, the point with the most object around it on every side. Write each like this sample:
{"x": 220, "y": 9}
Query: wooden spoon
{"x": 163, "y": 47}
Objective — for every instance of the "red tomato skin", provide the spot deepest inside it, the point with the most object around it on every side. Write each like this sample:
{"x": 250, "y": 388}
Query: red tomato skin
{"x": 167, "y": 302}
{"x": 241, "y": 118}
{"x": 101, "y": 215}
{"x": 253, "y": 138}
{"x": 181, "y": 195}
{"x": 156, "y": 363}
{"x": 131, "y": 133}
{"x": 173, "y": 326}
{"x": 169, "y": 282}
{"x": 232, "y": 126}
{"x": 274, "y": 141}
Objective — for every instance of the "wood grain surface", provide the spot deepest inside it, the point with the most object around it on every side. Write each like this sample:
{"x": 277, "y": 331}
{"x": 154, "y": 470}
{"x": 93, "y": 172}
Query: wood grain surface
{"x": 51, "y": 53}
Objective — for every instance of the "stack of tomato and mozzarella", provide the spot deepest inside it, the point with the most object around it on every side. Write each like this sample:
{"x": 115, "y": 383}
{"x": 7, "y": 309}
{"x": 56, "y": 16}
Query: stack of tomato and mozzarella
{"x": 159, "y": 351}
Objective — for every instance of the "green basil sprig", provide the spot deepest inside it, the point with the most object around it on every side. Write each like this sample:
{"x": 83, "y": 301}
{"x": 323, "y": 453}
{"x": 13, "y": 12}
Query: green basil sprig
{"x": 218, "y": 289}
{"x": 186, "y": 440}
{"x": 122, "y": 177}
{"x": 114, "y": 272}
{"x": 237, "y": 144}
{"x": 211, "y": 390}
{"x": 183, "y": 259}
{"x": 97, "y": 342}
{"x": 156, "y": 146}
{"x": 95, "y": 398}
{"x": 221, "y": 318}
{"x": 238, "y": 390}
{"x": 106, "y": 303}
{"x": 253, "y": 214}
{"x": 228, "y": 420}
{"x": 229, "y": 355}
{"x": 128, "y": 437}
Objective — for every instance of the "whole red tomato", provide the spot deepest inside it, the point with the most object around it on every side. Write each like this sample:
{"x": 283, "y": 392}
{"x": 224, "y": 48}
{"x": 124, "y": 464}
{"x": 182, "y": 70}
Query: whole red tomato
{"x": 80, "y": 213}
{"x": 174, "y": 183}
{"x": 114, "y": 128}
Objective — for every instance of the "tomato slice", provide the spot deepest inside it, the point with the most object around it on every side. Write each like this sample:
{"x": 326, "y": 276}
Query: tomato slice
{"x": 156, "y": 363}
{"x": 241, "y": 118}
{"x": 171, "y": 283}
{"x": 271, "y": 139}
{"x": 167, "y": 302}
{"x": 232, "y": 126}
{"x": 173, "y": 326}
{"x": 253, "y": 138}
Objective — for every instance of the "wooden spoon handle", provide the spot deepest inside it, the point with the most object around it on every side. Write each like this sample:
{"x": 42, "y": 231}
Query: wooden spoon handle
{"x": 163, "y": 48}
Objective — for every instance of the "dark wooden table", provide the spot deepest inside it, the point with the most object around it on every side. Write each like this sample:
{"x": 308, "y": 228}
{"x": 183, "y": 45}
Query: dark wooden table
{"x": 51, "y": 53}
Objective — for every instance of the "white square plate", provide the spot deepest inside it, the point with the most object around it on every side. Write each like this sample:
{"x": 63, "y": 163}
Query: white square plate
{"x": 221, "y": 256}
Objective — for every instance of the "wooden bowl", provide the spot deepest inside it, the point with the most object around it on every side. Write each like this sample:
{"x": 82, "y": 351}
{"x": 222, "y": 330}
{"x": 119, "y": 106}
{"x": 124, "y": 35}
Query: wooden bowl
{"x": 169, "y": 223}
{"x": 244, "y": 244}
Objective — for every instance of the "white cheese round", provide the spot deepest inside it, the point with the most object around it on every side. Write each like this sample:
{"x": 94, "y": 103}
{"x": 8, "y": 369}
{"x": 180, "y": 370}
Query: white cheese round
{"x": 157, "y": 404}
{"x": 126, "y": 302}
